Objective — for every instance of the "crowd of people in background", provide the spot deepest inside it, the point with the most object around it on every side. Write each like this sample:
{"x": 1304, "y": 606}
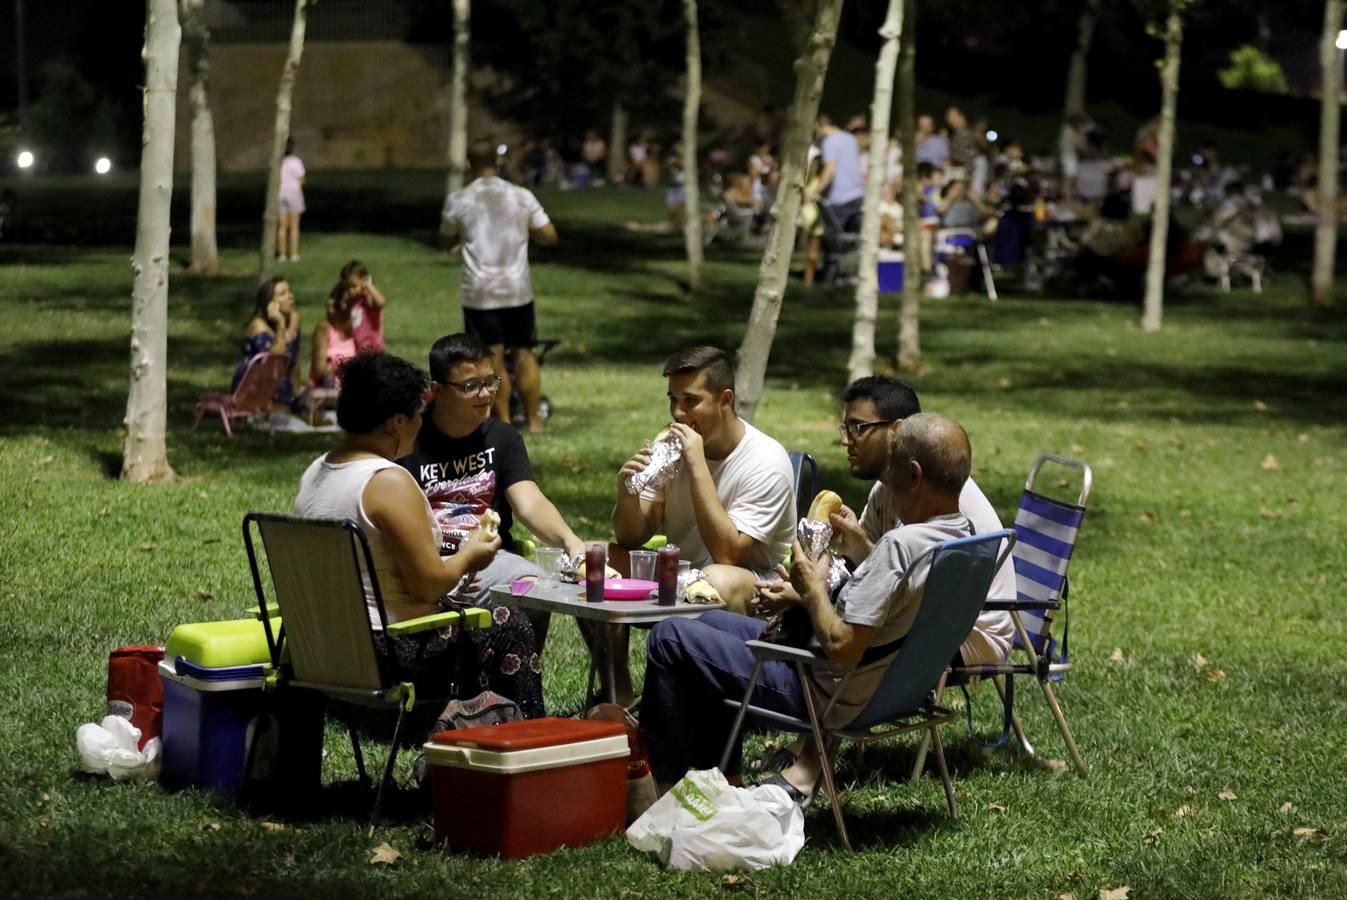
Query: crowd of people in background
{"x": 1075, "y": 217}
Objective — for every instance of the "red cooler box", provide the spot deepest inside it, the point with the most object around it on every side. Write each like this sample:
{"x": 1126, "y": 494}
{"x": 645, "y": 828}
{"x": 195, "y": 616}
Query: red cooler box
{"x": 528, "y": 787}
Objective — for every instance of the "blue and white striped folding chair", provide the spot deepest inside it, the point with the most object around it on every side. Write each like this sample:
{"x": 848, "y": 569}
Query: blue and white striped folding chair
{"x": 1045, "y": 531}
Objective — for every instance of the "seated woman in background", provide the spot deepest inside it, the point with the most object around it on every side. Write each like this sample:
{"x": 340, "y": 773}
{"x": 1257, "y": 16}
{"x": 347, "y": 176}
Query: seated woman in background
{"x": 379, "y": 411}
{"x": 333, "y": 343}
{"x": 357, "y": 292}
{"x": 273, "y": 328}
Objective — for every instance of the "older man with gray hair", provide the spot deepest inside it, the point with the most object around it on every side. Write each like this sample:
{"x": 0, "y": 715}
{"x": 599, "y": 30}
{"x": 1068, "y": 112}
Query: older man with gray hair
{"x": 694, "y": 664}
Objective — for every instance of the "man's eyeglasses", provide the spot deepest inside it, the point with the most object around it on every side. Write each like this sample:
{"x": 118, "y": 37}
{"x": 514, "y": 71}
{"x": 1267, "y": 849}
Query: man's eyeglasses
{"x": 852, "y": 431}
{"x": 476, "y": 388}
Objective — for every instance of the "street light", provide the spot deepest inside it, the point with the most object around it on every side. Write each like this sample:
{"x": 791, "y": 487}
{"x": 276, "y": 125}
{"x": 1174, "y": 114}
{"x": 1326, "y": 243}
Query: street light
{"x": 1342, "y": 39}
{"x": 25, "y": 159}
{"x": 103, "y": 165}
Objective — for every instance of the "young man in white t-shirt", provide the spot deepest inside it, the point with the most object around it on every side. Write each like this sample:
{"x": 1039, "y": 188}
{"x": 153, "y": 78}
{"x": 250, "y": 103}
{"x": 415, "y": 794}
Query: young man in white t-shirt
{"x": 730, "y": 509}
{"x": 494, "y": 220}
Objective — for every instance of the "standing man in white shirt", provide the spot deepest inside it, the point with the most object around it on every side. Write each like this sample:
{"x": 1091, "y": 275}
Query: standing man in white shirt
{"x": 493, "y": 221}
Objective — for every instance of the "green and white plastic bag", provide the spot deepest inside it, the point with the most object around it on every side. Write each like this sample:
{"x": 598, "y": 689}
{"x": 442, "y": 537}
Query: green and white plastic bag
{"x": 705, "y": 823}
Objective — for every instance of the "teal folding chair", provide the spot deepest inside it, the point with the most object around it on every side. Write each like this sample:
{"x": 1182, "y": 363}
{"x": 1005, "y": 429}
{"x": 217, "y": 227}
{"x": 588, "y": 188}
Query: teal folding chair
{"x": 805, "y": 470}
{"x": 1046, "y": 529}
{"x": 960, "y": 575}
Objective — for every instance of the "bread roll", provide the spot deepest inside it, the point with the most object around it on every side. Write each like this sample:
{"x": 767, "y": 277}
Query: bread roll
{"x": 488, "y": 526}
{"x": 825, "y": 504}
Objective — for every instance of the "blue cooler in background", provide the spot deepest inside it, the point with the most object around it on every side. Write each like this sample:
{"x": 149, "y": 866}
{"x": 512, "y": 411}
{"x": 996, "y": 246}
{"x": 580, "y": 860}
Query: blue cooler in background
{"x": 213, "y": 674}
{"x": 890, "y": 267}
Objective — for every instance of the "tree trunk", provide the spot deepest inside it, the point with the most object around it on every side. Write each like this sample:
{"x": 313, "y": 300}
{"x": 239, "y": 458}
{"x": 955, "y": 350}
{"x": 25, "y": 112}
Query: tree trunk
{"x": 617, "y": 144}
{"x": 145, "y": 458}
{"x": 692, "y": 218}
{"x": 458, "y": 109}
{"x": 1153, "y": 307}
{"x": 196, "y": 41}
{"x": 862, "y": 361}
{"x": 909, "y": 316}
{"x": 1326, "y": 230}
{"x": 810, "y": 70}
{"x": 279, "y": 137}
{"x": 1077, "y": 71}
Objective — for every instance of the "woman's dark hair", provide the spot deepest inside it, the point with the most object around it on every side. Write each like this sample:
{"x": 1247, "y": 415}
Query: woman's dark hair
{"x": 265, "y": 291}
{"x": 289, "y": 146}
{"x": 374, "y": 388}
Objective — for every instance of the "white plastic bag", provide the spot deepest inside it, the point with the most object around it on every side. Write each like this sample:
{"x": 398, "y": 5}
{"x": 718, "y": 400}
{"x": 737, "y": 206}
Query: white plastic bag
{"x": 705, "y": 823}
{"x": 111, "y": 748}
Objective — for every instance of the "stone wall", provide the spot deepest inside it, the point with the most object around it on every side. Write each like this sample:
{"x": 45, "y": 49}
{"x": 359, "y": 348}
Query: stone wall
{"x": 357, "y": 105}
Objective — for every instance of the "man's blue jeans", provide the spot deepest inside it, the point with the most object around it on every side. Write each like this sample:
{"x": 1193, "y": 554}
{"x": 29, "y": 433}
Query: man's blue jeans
{"x": 692, "y": 666}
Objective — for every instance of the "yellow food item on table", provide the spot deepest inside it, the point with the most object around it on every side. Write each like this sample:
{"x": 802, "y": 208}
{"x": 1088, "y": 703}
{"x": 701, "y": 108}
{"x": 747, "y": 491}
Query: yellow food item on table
{"x": 700, "y": 591}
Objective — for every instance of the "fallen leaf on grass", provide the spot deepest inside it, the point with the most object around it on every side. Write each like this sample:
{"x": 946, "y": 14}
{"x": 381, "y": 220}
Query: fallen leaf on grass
{"x": 1117, "y": 656}
{"x": 1309, "y": 835}
{"x": 103, "y": 513}
{"x": 1198, "y": 661}
{"x": 1215, "y": 675}
{"x": 1117, "y": 893}
{"x": 1056, "y": 765}
{"x": 1260, "y": 406}
{"x": 1146, "y": 518}
{"x": 1143, "y": 445}
{"x": 41, "y": 441}
{"x": 1183, "y": 811}
{"x": 732, "y": 882}
{"x": 384, "y": 853}
{"x": 28, "y": 504}
{"x": 1287, "y": 808}
{"x": 1269, "y": 513}
{"x": 273, "y": 826}
{"x": 1228, "y": 794}
{"x": 1153, "y": 835}
{"x": 1004, "y": 382}
{"x": 207, "y": 597}
{"x": 997, "y": 808}
{"x": 1270, "y": 463}
{"x": 211, "y": 826}
{"x": 1069, "y": 895}
{"x": 44, "y": 460}
{"x": 148, "y": 545}
{"x": 1302, "y": 438}
{"x": 1077, "y": 449}
{"x": 44, "y": 797}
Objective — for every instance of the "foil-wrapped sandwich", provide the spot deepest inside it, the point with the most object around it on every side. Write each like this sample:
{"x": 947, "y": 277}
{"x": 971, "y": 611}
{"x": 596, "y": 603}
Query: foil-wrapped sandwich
{"x": 666, "y": 453}
{"x": 815, "y": 532}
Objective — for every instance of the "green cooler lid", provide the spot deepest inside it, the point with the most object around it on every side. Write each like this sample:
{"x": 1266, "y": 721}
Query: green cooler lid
{"x": 215, "y": 645}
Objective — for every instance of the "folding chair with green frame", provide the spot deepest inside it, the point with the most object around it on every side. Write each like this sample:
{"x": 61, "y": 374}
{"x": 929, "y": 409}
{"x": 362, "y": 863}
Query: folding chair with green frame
{"x": 960, "y": 574}
{"x": 323, "y": 576}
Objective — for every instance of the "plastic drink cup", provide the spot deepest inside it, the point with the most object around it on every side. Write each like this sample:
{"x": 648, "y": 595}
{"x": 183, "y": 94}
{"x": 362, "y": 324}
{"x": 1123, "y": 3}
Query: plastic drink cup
{"x": 549, "y": 560}
{"x": 643, "y": 565}
{"x": 666, "y": 573}
{"x": 596, "y": 560}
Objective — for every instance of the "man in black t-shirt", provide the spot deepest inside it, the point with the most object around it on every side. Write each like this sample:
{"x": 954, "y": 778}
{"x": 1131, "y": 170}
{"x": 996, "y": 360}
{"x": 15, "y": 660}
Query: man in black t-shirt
{"x": 466, "y": 462}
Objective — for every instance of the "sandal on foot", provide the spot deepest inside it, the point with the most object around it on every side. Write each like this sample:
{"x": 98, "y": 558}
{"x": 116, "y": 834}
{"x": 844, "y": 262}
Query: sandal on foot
{"x": 797, "y": 796}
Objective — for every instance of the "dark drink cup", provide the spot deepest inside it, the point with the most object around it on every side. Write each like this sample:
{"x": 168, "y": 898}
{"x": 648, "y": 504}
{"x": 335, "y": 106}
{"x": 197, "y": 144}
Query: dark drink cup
{"x": 595, "y": 562}
{"x": 666, "y": 573}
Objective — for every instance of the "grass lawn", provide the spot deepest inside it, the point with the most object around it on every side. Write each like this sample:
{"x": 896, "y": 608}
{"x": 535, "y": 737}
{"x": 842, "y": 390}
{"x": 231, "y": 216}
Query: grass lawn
{"x": 1216, "y": 528}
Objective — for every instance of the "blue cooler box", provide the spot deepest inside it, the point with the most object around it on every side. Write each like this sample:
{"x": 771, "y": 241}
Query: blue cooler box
{"x": 890, "y": 267}
{"x": 209, "y": 715}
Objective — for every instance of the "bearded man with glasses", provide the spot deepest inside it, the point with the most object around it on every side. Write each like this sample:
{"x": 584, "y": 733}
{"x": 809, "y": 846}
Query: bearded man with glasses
{"x": 467, "y": 462}
{"x": 873, "y": 411}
